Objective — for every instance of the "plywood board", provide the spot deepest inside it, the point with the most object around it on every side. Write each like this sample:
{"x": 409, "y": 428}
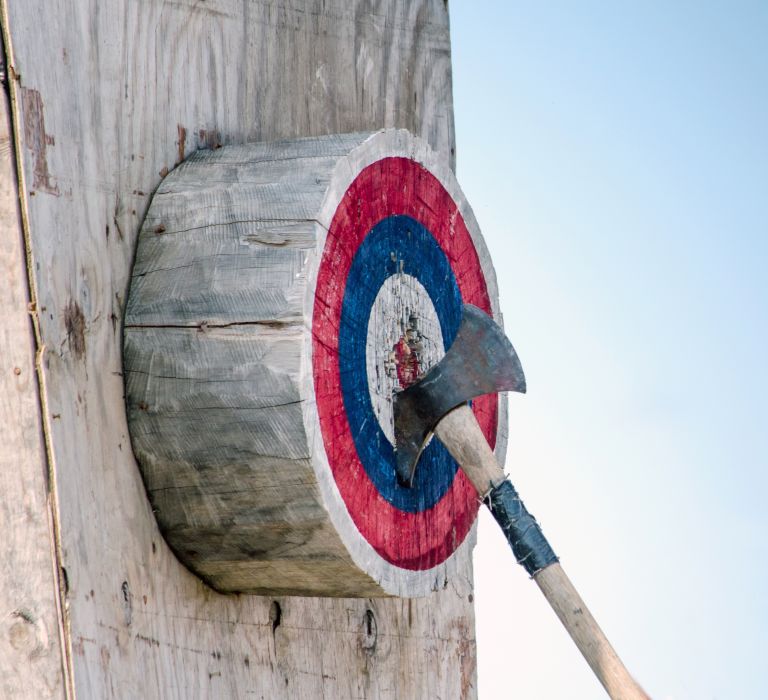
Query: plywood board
{"x": 107, "y": 96}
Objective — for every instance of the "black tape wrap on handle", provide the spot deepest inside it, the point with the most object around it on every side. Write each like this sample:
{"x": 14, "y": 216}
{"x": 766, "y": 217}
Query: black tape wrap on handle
{"x": 523, "y": 533}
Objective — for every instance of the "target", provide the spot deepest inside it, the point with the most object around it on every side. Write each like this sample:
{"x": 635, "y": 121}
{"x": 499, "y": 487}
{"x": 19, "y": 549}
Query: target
{"x": 282, "y": 293}
{"x": 397, "y": 265}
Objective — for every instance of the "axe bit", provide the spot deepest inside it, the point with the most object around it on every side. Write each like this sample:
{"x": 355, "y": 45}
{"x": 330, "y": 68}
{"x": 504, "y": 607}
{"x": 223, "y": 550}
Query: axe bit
{"x": 480, "y": 361}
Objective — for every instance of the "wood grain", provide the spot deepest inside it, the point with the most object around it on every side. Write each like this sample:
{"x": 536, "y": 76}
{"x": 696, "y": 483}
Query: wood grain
{"x": 127, "y": 90}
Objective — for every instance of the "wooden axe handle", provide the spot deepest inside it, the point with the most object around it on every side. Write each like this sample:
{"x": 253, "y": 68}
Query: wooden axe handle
{"x": 462, "y": 436}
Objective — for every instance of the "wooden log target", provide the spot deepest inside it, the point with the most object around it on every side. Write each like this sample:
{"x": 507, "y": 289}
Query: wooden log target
{"x": 281, "y": 293}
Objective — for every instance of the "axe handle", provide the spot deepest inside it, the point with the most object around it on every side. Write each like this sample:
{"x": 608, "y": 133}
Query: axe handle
{"x": 462, "y": 436}
{"x": 459, "y": 431}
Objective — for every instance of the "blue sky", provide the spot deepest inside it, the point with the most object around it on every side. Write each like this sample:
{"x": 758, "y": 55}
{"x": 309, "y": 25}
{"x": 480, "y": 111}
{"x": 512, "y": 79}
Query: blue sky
{"x": 616, "y": 157}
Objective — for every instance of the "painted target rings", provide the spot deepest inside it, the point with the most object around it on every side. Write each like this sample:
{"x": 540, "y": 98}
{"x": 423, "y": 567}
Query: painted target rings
{"x": 396, "y": 226}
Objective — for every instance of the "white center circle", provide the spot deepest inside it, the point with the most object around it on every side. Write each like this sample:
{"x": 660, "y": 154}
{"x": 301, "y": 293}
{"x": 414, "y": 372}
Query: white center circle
{"x": 404, "y": 340}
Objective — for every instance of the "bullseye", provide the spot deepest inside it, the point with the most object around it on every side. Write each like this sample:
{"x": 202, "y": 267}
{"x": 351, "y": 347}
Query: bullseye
{"x": 404, "y": 340}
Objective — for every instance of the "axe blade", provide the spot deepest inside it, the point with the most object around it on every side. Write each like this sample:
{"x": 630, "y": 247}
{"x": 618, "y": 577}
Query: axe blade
{"x": 480, "y": 361}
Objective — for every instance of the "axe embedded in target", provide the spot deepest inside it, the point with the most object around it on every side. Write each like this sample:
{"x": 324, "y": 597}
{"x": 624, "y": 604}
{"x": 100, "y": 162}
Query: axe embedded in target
{"x": 480, "y": 361}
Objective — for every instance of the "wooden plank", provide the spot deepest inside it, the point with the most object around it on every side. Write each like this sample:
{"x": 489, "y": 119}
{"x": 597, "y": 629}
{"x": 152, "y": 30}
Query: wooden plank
{"x": 110, "y": 94}
{"x": 31, "y": 659}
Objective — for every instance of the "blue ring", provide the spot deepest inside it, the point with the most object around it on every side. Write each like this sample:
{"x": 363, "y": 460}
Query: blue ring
{"x": 394, "y": 242}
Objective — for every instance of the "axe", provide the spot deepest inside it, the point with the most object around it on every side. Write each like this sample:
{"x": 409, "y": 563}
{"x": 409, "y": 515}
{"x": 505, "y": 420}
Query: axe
{"x": 480, "y": 361}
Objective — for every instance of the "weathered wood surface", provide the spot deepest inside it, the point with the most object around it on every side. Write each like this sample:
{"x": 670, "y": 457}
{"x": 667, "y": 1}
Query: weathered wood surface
{"x": 31, "y": 658}
{"x": 107, "y": 95}
{"x": 218, "y": 330}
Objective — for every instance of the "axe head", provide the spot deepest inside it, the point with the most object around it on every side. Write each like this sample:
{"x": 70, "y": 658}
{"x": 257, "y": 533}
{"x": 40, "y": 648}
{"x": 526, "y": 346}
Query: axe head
{"x": 480, "y": 361}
